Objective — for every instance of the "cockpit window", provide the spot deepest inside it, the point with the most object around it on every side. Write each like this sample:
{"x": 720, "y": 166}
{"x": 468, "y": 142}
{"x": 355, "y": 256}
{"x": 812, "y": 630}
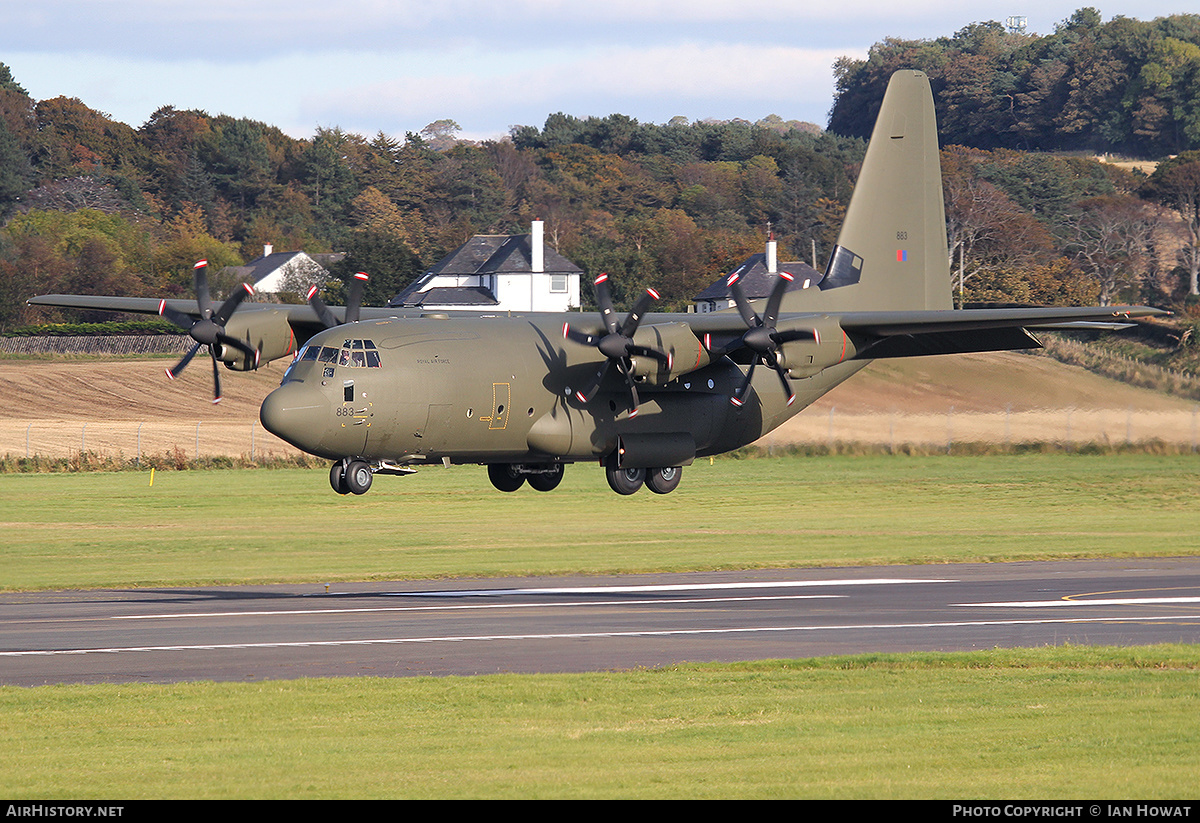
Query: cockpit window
{"x": 354, "y": 354}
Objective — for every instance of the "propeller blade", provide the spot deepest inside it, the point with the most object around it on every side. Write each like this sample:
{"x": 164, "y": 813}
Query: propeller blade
{"x": 787, "y": 386}
{"x": 743, "y": 304}
{"x": 632, "y": 387}
{"x": 577, "y": 336}
{"x": 180, "y": 319}
{"x": 604, "y": 301}
{"x": 635, "y": 317}
{"x": 216, "y": 378}
{"x": 200, "y": 279}
{"x": 586, "y": 395}
{"x": 739, "y": 395}
{"x": 231, "y": 303}
{"x": 776, "y": 298}
{"x": 174, "y": 371}
{"x": 354, "y": 299}
{"x": 318, "y": 305}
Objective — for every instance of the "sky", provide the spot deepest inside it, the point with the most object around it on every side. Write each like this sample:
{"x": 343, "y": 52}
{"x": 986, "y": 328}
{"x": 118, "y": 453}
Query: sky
{"x": 394, "y": 66}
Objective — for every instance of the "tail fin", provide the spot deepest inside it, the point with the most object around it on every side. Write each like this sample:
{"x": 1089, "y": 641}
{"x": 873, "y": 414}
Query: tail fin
{"x": 891, "y": 253}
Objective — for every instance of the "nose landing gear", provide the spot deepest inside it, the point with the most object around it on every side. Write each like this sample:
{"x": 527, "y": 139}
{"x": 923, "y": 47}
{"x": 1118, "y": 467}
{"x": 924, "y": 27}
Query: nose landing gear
{"x": 350, "y": 476}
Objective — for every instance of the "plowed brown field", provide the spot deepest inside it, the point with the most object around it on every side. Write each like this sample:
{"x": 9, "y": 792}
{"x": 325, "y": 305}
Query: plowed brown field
{"x": 114, "y": 407}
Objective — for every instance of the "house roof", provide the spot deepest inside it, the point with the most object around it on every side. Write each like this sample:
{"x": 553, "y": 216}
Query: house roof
{"x": 757, "y": 281}
{"x": 257, "y": 270}
{"x": 453, "y": 296}
{"x": 486, "y": 254}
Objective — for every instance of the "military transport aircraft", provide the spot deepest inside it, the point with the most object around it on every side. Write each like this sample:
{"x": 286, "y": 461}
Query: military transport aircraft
{"x": 380, "y": 391}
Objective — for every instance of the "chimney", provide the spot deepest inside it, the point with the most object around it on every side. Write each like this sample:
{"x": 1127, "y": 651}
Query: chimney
{"x": 537, "y": 248}
{"x": 268, "y": 249}
{"x": 772, "y": 261}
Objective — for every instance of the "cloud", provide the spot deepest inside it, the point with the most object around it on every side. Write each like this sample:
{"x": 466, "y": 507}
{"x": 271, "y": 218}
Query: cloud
{"x": 697, "y": 80}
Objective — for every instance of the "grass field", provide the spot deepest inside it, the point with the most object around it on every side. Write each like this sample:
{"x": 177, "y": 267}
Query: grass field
{"x": 1046, "y": 723}
{"x": 1042, "y": 723}
{"x": 244, "y": 526}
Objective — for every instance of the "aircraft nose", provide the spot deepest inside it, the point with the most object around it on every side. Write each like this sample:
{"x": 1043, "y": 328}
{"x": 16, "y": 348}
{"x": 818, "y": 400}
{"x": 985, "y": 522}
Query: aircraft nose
{"x": 296, "y": 413}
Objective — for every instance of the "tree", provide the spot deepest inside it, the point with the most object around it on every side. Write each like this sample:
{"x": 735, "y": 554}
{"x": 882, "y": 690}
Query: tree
{"x": 1176, "y": 185}
{"x": 440, "y": 134}
{"x": 1113, "y": 242}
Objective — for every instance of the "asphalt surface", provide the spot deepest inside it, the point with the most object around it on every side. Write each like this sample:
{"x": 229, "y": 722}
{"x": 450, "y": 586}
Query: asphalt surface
{"x": 587, "y": 624}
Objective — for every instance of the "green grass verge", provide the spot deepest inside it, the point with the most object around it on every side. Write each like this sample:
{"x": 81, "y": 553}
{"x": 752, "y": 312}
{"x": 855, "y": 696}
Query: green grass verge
{"x": 1047, "y": 723}
{"x": 253, "y": 526}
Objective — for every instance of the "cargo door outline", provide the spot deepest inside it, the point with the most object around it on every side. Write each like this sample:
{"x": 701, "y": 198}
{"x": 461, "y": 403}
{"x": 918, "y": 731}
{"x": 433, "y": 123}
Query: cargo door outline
{"x": 501, "y": 400}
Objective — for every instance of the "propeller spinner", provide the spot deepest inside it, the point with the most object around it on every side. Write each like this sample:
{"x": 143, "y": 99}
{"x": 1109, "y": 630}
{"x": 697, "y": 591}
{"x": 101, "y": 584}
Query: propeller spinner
{"x": 209, "y": 330}
{"x": 616, "y": 344}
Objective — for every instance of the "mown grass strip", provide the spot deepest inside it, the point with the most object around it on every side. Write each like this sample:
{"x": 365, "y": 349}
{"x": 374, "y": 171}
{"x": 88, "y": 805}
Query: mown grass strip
{"x": 1065, "y": 722}
{"x": 247, "y": 526}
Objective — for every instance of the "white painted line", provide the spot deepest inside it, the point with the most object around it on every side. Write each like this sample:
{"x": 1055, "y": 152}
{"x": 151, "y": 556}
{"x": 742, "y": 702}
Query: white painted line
{"x": 1112, "y": 601}
{"x": 673, "y": 587}
{"x": 479, "y": 606}
{"x": 589, "y": 635}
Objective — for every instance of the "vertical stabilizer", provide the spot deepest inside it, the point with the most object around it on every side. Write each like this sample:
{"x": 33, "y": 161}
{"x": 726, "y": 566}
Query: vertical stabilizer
{"x": 891, "y": 253}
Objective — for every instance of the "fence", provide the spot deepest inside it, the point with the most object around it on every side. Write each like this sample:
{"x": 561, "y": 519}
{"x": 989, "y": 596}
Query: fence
{"x": 1066, "y": 427}
{"x": 135, "y": 440}
{"x": 123, "y": 345}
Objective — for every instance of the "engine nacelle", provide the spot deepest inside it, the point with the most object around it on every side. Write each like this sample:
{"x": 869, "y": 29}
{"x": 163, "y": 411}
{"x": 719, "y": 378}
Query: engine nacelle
{"x": 830, "y": 345}
{"x": 266, "y": 330}
{"x": 649, "y": 451}
{"x": 677, "y": 340}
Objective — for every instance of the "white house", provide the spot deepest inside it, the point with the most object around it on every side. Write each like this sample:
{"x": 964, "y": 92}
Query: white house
{"x": 285, "y": 271}
{"x": 503, "y": 272}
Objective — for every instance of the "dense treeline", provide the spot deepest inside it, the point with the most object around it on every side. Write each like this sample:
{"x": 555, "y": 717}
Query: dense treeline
{"x": 1123, "y": 86}
{"x": 90, "y": 205}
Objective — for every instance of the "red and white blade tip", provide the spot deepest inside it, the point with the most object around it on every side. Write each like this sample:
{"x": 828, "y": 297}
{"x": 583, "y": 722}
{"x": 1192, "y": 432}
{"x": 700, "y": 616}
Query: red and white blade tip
{"x": 733, "y": 278}
{"x": 579, "y": 396}
{"x": 199, "y": 264}
{"x": 652, "y": 293}
{"x": 786, "y": 276}
{"x": 216, "y": 400}
{"x": 249, "y": 289}
{"x": 170, "y": 374}
{"x": 600, "y": 279}
{"x": 735, "y": 402}
{"x": 162, "y": 306}
{"x": 362, "y": 275}
{"x": 312, "y": 290}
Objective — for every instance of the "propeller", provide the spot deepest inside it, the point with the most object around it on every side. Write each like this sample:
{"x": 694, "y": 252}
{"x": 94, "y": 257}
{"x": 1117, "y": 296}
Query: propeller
{"x": 209, "y": 330}
{"x": 616, "y": 344}
{"x": 761, "y": 336}
{"x": 353, "y": 302}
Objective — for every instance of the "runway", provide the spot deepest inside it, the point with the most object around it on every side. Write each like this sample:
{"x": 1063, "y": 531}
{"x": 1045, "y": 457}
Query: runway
{"x": 587, "y": 624}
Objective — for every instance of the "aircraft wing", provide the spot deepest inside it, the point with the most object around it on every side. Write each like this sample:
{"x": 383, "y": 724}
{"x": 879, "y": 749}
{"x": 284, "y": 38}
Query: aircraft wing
{"x": 301, "y": 317}
{"x": 912, "y": 333}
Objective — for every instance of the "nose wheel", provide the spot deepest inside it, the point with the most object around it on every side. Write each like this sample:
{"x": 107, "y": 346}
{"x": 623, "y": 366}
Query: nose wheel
{"x": 350, "y": 476}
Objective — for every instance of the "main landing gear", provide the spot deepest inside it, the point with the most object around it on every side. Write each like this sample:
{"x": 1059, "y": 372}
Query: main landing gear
{"x": 508, "y": 477}
{"x": 628, "y": 481}
{"x": 350, "y": 476}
